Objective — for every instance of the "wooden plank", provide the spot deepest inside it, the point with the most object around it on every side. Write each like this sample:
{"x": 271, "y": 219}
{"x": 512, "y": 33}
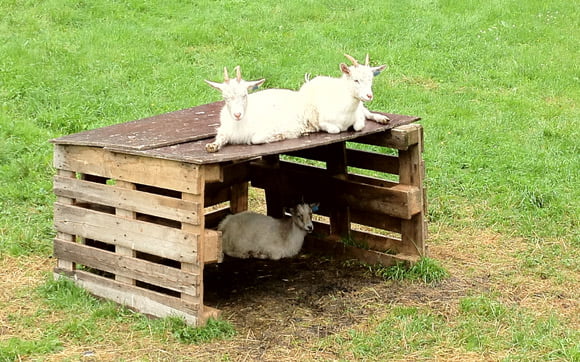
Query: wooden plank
{"x": 336, "y": 166}
{"x": 213, "y": 247}
{"x": 411, "y": 173}
{"x": 143, "y": 170}
{"x": 330, "y": 246}
{"x": 143, "y": 300}
{"x": 400, "y": 138}
{"x": 276, "y": 188}
{"x": 401, "y": 201}
{"x": 65, "y": 264}
{"x": 128, "y": 199}
{"x": 129, "y": 214}
{"x": 373, "y": 161}
{"x": 127, "y": 266}
{"x": 194, "y": 152}
{"x": 213, "y": 218}
{"x": 377, "y": 242}
{"x": 141, "y": 236}
{"x": 158, "y": 131}
{"x": 202, "y": 244}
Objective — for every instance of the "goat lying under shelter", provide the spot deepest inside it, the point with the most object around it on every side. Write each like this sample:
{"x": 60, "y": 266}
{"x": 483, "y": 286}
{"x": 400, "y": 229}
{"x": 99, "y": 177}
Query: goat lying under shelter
{"x": 249, "y": 234}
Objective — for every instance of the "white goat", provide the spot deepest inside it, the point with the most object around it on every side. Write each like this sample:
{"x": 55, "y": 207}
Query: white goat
{"x": 266, "y": 116}
{"x": 249, "y": 234}
{"x": 335, "y": 104}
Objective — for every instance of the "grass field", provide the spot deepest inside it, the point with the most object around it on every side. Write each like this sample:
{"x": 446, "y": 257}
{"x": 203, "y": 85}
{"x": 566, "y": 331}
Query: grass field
{"x": 496, "y": 83}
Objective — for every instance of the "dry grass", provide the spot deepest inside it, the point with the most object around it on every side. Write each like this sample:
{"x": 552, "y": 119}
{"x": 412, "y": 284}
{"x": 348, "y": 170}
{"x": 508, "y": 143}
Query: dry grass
{"x": 287, "y": 311}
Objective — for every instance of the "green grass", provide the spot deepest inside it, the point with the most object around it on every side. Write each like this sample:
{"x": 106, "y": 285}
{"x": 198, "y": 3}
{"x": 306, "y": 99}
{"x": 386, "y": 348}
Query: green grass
{"x": 496, "y": 83}
{"x": 426, "y": 270}
{"x": 482, "y": 324}
{"x": 88, "y": 320}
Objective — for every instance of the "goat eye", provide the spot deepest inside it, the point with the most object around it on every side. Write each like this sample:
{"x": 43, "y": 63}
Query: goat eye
{"x": 356, "y": 81}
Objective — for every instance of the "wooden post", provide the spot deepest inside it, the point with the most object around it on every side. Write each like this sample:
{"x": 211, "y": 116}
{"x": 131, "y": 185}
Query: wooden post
{"x": 129, "y": 215}
{"x": 65, "y": 265}
{"x": 274, "y": 198}
{"x": 411, "y": 171}
{"x": 336, "y": 166}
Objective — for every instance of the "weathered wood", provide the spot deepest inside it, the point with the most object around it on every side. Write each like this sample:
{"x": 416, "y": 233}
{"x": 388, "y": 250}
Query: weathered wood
{"x": 129, "y": 214}
{"x": 212, "y": 218}
{"x": 194, "y": 152}
{"x": 276, "y": 188}
{"x": 399, "y": 200}
{"x": 399, "y": 138}
{"x": 65, "y": 263}
{"x": 202, "y": 243}
{"x": 128, "y": 266}
{"x": 153, "y": 132}
{"x": 144, "y": 300}
{"x": 239, "y": 197}
{"x": 373, "y": 161}
{"x": 212, "y": 247}
{"x": 411, "y": 173}
{"x": 128, "y": 199}
{"x": 336, "y": 166}
{"x": 138, "y": 235}
{"x": 330, "y": 246}
{"x": 144, "y": 170}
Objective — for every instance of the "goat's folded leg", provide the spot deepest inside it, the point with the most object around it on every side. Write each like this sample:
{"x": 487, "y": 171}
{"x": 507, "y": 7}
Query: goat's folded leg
{"x": 377, "y": 117}
{"x": 267, "y": 138}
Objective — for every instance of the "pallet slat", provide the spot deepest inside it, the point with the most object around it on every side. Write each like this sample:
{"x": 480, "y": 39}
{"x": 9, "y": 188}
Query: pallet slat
{"x": 143, "y": 300}
{"x": 138, "y": 269}
{"x": 399, "y": 200}
{"x": 132, "y": 200}
{"x": 153, "y": 239}
{"x": 168, "y": 174}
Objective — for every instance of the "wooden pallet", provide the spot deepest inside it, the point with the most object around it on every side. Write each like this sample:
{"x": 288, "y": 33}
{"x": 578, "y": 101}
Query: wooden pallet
{"x": 137, "y": 203}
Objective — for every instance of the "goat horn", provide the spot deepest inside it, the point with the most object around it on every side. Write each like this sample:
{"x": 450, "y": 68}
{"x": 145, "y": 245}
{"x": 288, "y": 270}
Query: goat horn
{"x": 226, "y": 76}
{"x": 238, "y": 74}
{"x": 354, "y": 61}
{"x": 367, "y": 59}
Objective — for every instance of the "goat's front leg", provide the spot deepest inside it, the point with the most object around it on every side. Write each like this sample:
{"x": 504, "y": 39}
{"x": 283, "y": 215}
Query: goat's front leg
{"x": 379, "y": 118}
{"x": 218, "y": 143}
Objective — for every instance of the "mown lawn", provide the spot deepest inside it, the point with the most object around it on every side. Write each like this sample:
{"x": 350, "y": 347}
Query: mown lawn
{"x": 496, "y": 83}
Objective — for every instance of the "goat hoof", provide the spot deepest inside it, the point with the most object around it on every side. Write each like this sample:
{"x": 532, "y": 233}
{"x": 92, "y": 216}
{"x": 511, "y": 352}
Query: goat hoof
{"x": 211, "y": 147}
{"x": 382, "y": 119}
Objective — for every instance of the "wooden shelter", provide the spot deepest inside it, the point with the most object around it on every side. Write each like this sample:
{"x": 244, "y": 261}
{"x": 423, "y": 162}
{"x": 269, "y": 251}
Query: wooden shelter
{"x": 138, "y": 203}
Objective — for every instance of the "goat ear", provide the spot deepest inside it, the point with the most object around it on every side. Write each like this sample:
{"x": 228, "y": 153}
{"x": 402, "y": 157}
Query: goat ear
{"x": 253, "y": 85}
{"x": 344, "y": 68}
{"x": 314, "y": 207}
{"x": 218, "y": 86}
{"x": 378, "y": 70}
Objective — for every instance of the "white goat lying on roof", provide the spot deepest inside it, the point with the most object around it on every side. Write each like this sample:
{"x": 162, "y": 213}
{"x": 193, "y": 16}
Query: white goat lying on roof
{"x": 266, "y": 116}
{"x": 335, "y": 104}
{"x": 249, "y": 234}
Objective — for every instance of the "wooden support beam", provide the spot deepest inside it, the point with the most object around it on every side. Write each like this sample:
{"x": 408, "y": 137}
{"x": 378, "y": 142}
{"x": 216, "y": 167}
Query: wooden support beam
{"x": 336, "y": 166}
{"x": 411, "y": 173}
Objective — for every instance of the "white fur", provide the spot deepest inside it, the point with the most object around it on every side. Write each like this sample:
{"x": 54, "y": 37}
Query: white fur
{"x": 335, "y": 104}
{"x": 249, "y": 234}
{"x": 262, "y": 117}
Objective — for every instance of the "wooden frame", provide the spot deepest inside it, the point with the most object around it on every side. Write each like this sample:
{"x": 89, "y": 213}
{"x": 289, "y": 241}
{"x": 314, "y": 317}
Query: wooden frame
{"x": 137, "y": 205}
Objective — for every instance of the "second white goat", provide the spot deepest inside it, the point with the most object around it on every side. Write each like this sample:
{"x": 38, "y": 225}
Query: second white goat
{"x": 335, "y": 104}
{"x": 251, "y": 235}
{"x": 262, "y": 117}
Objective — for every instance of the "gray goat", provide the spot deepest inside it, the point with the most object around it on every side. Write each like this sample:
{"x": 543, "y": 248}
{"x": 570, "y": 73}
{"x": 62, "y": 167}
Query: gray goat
{"x": 251, "y": 235}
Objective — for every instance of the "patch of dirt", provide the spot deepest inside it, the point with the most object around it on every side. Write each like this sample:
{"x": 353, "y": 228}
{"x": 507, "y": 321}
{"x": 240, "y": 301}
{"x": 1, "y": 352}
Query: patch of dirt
{"x": 300, "y": 300}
